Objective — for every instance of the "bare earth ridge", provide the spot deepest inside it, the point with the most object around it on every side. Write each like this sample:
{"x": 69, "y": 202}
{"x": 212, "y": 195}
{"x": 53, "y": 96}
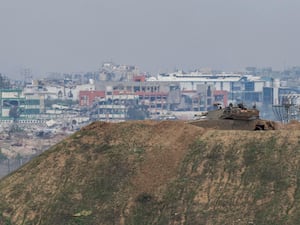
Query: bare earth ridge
{"x": 149, "y": 172}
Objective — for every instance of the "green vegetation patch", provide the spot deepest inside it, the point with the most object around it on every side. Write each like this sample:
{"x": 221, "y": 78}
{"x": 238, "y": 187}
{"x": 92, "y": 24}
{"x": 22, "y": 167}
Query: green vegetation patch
{"x": 97, "y": 186}
{"x": 264, "y": 163}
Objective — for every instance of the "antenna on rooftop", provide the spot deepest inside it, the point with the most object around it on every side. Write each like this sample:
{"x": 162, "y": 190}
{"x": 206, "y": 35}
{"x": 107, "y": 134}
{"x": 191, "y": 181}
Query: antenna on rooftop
{"x": 287, "y": 109}
{"x": 27, "y": 74}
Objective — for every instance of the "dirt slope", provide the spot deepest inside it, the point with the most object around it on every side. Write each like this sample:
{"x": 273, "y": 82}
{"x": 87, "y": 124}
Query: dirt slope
{"x": 159, "y": 173}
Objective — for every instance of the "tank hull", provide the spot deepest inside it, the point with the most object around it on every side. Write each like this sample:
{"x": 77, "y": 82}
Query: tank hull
{"x": 227, "y": 124}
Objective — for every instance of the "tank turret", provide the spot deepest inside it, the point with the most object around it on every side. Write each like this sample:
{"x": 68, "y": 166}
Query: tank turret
{"x": 239, "y": 112}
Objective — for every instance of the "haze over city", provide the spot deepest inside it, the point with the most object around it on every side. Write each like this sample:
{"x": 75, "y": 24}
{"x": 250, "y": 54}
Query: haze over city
{"x": 78, "y": 35}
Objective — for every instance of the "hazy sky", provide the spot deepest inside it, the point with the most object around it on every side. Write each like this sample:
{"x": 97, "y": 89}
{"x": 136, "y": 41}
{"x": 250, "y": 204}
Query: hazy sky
{"x": 155, "y": 35}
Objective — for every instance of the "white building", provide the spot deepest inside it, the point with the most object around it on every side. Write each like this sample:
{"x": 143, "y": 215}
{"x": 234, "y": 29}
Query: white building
{"x": 239, "y": 86}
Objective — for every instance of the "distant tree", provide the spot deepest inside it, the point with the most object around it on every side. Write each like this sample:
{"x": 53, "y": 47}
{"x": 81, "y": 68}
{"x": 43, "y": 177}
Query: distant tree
{"x": 15, "y": 112}
{"x": 137, "y": 113}
{"x": 19, "y": 158}
{"x": 2, "y": 156}
{"x": 4, "y": 82}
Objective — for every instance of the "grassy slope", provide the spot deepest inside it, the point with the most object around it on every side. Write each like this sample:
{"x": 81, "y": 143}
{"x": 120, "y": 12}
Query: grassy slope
{"x": 158, "y": 173}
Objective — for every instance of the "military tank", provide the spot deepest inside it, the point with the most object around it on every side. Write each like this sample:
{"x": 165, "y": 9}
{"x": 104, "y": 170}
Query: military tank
{"x": 240, "y": 112}
{"x": 234, "y": 118}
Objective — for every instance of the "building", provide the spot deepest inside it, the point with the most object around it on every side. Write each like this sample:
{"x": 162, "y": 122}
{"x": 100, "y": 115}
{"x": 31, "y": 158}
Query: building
{"x": 15, "y": 104}
{"x": 239, "y": 87}
{"x": 11, "y": 99}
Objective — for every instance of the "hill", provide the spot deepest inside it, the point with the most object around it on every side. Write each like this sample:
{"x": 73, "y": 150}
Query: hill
{"x": 159, "y": 173}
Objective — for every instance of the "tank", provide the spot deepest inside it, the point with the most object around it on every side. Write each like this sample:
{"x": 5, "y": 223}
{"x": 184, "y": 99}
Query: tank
{"x": 239, "y": 112}
{"x": 234, "y": 118}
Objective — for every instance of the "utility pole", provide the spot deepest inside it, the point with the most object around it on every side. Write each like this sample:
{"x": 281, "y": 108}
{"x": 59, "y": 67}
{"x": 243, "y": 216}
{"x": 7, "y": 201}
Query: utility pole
{"x": 27, "y": 74}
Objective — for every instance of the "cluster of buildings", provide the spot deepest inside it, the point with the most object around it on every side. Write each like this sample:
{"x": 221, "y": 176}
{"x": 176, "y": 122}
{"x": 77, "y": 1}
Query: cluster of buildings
{"x": 121, "y": 92}
{"x": 52, "y": 107}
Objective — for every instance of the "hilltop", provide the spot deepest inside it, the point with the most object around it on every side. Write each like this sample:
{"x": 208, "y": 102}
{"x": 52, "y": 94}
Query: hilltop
{"x": 169, "y": 172}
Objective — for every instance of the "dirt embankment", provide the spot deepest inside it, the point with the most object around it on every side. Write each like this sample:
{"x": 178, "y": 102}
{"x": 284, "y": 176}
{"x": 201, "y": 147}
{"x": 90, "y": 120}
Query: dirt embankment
{"x": 148, "y": 172}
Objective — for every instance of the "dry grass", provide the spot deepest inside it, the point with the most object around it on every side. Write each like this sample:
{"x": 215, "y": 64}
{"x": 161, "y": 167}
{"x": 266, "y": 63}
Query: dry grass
{"x": 133, "y": 172}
